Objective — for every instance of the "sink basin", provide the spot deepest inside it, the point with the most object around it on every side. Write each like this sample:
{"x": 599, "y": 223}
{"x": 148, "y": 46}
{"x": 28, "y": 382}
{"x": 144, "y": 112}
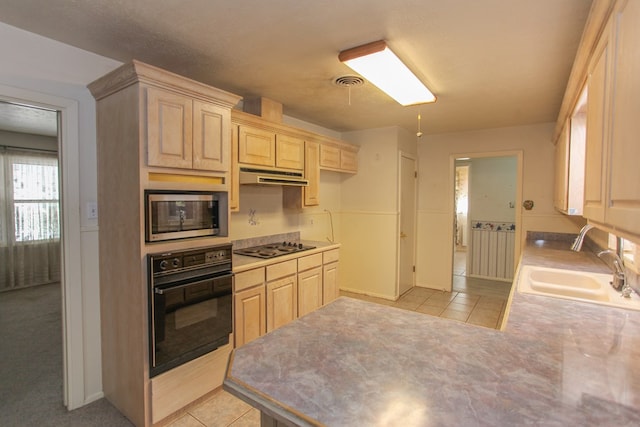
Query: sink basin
{"x": 574, "y": 285}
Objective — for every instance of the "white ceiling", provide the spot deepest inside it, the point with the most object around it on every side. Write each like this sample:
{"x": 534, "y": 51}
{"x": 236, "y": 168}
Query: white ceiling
{"x": 492, "y": 63}
{"x": 25, "y": 119}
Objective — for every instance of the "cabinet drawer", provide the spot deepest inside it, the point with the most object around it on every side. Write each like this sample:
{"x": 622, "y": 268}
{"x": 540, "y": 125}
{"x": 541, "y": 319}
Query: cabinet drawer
{"x": 330, "y": 256}
{"x": 249, "y": 278}
{"x": 282, "y": 269}
{"x": 310, "y": 261}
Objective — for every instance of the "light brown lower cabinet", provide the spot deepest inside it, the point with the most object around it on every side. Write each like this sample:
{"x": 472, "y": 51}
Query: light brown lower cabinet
{"x": 330, "y": 289}
{"x": 309, "y": 291}
{"x": 250, "y": 319}
{"x": 266, "y": 298}
{"x": 282, "y": 302}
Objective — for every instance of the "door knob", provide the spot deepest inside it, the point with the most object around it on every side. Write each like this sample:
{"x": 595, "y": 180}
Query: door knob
{"x": 402, "y": 235}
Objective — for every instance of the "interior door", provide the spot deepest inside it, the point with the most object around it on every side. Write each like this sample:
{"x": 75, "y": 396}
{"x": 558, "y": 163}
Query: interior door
{"x": 407, "y": 238}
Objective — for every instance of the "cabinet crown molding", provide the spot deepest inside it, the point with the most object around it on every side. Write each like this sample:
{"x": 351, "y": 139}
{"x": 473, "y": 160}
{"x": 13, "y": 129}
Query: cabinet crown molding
{"x": 139, "y": 72}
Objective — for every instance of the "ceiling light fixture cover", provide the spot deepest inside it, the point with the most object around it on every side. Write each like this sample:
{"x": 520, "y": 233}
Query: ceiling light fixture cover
{"x": 378, "y": 64}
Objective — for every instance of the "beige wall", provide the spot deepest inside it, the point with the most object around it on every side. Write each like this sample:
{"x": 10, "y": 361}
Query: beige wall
{"x": 369, "y": 219}
{"x": 435, "y": 200}
{"x": 492, "y": 188}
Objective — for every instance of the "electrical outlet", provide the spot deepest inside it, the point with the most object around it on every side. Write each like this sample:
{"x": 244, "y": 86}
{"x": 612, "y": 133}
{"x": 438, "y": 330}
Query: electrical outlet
{"x": 92, "y": 210}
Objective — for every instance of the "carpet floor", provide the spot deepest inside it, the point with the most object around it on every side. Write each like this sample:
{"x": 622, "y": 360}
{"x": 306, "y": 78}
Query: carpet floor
{"x": 31, "y": 391}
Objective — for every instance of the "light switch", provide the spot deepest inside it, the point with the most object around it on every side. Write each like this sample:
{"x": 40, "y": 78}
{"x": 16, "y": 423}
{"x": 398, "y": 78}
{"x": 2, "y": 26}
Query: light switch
{"x": 92, "y": 210}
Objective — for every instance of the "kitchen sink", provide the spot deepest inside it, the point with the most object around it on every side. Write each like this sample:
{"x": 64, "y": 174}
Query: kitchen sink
{"x": 574, "y": 285}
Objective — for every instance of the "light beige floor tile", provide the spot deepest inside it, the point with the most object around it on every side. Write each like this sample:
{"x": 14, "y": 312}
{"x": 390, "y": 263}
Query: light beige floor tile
{"x": 250, "y": 419}
{"x": 435, "y": 302}
{"x": 430, "y": 309}
{"x": 406, "y": 305}
{"x": 425, "y": 292}
{"x": 467, "y": 299}
{"x": 454, "y": 315}
{"x": 220, "y": 410}
{"x": 445, "y": 296}
{"x": 491, "y": 303}
{"x": 186, "y": 421}
{"x": 463, "y": 308}
{"x": 487, "y": 323}
{"x": 413, "y": 299}
{"x": 484, "y": 316}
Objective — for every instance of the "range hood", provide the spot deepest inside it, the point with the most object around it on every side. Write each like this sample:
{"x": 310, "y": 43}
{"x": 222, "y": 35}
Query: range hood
{"x": 258, "y": 176}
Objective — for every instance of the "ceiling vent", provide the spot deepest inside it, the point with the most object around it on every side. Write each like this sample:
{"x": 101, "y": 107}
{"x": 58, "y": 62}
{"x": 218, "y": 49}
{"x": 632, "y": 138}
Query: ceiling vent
{"x": 348, "y": 81}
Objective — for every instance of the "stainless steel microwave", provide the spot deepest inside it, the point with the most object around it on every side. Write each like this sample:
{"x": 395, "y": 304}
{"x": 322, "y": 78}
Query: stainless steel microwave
{"x": 185, "y": 214}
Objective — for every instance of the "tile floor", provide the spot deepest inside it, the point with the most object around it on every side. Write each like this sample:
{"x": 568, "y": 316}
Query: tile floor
{"x": 475, "y": 301}
{"x": 220, "y": 410}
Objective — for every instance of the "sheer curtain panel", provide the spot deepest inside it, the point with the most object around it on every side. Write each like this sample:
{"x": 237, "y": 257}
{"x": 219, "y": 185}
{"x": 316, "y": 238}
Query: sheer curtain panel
{"x": 29, "y": 219}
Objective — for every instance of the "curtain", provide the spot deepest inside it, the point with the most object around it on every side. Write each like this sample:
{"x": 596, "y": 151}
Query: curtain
{"x": 29, "y": 219}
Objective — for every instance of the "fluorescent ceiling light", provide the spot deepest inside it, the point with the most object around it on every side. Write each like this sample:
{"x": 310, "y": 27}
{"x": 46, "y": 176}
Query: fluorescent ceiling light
{"x": 378, "y": 64}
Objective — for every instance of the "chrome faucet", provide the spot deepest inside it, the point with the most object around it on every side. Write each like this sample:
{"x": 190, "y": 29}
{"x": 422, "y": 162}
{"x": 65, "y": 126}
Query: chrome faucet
{"x": 577, "y": 244}
{"x": 619, "y": 282}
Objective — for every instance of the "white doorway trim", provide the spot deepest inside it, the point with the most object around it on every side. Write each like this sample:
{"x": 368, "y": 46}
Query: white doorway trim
{"x": 71, "y": 270}
{"x": 518, "y": 154}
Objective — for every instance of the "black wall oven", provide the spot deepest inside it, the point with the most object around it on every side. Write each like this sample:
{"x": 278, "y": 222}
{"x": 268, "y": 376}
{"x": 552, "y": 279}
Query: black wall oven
{"x": 190, "y": 305}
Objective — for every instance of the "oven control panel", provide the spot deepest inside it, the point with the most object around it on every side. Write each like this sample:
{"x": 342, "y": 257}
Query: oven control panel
{"x": 189, "y": 259}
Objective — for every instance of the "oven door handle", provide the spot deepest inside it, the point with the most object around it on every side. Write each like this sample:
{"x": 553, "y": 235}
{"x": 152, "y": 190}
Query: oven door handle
{"x": 162, "y": 291}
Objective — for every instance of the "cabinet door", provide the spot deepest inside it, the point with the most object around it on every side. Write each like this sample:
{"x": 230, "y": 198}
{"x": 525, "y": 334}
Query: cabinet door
{"x": 312, "y": 173}
{"x": 560, "y": 199}
{"x": 289, "y": 152}
{"x": 169, "y": 129}
{"x": 597, "y": 130}
{"x": 309, "y": 291}
{"x": 256, "y": 146}
{"x": 623, "y": 210}
{"x": 348, "y": 161}
{"x": 249, "y": 315}
{"x": 330, "y": 289}
{"x": 329, "y": 156}
{"x": 282, "y": 302}
{"x": 210, "y": 137}
{"x": 234, "y": 179}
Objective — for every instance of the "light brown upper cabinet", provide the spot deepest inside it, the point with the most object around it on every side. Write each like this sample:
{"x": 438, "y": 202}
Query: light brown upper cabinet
{"x": 267, "y": 148}
{"x": 256, "y": 146}
{"x": 185, "y": 133}
{"x": 623, "y": 204}
{"x": 340, "y": 158}
{"x": 312, "y": 172}
{"x": 612, "y": 193}
{"x": 234, "y": 185}
{"x": 598, "y": 83}
{"x": 289, "y": 152}
{"x": 275, "y": 145}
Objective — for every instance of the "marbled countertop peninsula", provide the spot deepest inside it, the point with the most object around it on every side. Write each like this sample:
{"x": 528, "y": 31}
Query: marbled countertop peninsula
{"x": 354, "y": 363}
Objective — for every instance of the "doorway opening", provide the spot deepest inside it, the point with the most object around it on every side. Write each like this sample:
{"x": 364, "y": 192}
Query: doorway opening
{"x": 461, "y": 209}
{"x": 30, "y": 258}
{"x": 486, "y": 222}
